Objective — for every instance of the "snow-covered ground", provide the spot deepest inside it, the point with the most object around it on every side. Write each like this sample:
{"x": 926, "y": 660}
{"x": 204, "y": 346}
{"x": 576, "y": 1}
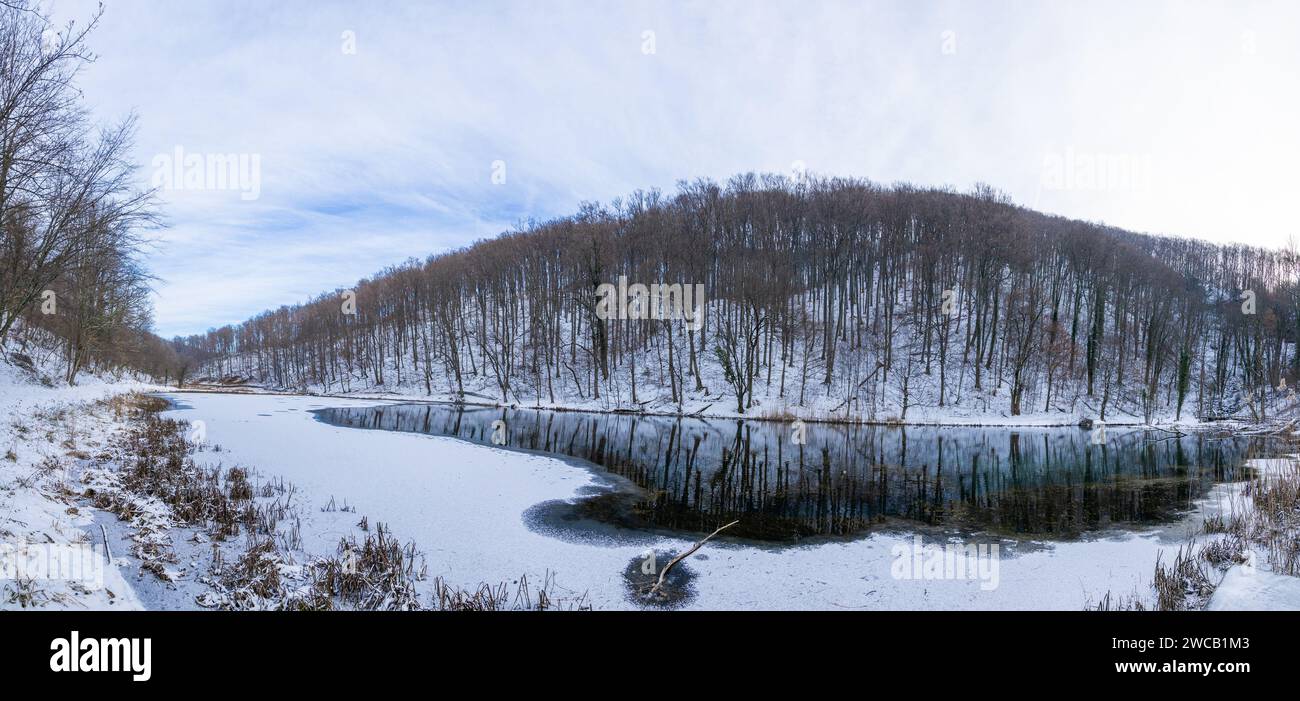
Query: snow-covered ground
{"x": 41, "y": 426}
{"x": 721, "y": 406}
{"x": 989, "y": 409}
{"x": 464, "y": 505}
{"x": 1253, "y": 586}
{"x": 1247, "y": 589}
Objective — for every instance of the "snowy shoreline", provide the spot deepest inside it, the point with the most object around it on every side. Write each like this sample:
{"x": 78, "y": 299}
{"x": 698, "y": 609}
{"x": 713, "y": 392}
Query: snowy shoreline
{"x": 987, "y": 421}
{"x": 47, "y": 435}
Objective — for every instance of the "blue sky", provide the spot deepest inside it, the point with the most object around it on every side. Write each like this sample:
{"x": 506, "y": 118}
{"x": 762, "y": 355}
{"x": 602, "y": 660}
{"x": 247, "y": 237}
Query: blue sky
{"x": 370, "y": 157}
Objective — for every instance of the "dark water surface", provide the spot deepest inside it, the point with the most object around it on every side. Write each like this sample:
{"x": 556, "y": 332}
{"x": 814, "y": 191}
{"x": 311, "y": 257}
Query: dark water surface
{"x": 699, "y": 473}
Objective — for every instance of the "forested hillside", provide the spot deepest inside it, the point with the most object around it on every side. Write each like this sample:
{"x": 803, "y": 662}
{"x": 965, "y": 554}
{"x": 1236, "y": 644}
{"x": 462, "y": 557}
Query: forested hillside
{"x": 71, "y": 214}
{"x": 825, "y": 298}
{"x": 822, "y": 298}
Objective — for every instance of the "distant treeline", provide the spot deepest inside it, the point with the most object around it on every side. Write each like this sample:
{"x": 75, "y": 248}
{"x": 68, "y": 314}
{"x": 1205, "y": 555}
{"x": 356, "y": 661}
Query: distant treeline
{"x": 839, "y": 293}
{"x": 70, "y": 215}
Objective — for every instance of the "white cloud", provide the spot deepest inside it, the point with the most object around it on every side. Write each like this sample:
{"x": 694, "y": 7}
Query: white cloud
{"x": 370, "y": 158}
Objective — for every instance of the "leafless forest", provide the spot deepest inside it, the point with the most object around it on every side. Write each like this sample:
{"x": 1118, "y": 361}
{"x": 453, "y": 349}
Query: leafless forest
{"x": 861, "y": 299}
{"x": 71, "y": 219}
{"x": 867, "y": 298}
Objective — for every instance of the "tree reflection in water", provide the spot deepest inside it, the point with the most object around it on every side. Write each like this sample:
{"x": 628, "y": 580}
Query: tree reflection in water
{"x": 1049, "y": 482}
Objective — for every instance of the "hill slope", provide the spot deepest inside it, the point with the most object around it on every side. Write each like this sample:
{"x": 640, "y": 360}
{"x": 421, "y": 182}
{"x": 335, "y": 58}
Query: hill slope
{"x": 822, "y": 299}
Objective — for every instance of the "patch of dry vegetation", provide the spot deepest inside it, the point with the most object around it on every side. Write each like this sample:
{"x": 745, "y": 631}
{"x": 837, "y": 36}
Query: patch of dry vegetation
{"x": 156, "y": 486}
{"x": 1263, "y": 525}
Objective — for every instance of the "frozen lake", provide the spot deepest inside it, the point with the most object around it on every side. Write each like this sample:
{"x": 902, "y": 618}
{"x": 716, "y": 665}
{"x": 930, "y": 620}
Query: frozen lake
{"x": 825, "y": 521}
{"x": 844, "y": 480}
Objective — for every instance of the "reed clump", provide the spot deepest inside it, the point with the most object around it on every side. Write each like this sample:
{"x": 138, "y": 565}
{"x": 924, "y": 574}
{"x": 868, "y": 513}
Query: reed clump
{"x": 1262, "y": 525}
{"x": 157, "y": 486}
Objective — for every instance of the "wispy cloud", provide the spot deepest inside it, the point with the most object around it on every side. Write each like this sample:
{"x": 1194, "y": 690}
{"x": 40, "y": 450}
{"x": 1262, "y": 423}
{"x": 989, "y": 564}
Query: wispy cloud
{"x": 371, "y": 157}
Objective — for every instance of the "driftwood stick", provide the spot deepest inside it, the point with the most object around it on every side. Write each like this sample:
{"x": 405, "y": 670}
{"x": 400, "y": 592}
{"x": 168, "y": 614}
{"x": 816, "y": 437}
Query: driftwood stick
{"x": 107, "y": 550}
{"x": 655, "y": 589}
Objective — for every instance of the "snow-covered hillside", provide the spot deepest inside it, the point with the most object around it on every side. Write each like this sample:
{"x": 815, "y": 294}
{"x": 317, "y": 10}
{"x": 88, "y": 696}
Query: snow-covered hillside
{"x": 827, "y": 299}
{"x": 784, "y": 393}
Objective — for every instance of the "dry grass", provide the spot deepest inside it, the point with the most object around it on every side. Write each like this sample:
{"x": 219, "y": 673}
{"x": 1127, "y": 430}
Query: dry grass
{"x": 1273, "y": 525}
{"x": 158, "y": 486}
{"x": 1132, "y": 602}
{"x": 1184, "y": 584}
{"x": 1264, "y": 519}
{"x": 377, "y": 574}
{"x": 505, "y": 597}
{"x": 133, "y": 404}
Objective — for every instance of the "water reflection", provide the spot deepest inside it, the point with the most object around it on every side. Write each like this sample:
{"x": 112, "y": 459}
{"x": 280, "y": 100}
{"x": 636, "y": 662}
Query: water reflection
{"x": 1051, "y": 482}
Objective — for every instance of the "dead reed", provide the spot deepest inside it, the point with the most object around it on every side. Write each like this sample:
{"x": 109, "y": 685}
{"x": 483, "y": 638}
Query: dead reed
{"x": 158, "y": 486}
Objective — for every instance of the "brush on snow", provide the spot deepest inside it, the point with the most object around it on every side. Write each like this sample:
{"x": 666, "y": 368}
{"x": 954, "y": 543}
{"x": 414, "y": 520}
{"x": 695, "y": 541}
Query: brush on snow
{"x": 671, "y": 563}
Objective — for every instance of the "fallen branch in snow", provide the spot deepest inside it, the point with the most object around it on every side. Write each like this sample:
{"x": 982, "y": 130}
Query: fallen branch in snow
{"x": 1176, "y": 433}
{"x": 107, "y": 550}
{"x": 655, "y": 589}
{"x": 1267, "y": 428}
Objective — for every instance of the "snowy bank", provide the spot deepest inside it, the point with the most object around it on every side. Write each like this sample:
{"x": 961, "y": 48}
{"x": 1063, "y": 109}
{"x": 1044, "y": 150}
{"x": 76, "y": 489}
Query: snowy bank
{"x": 47, "y": 431}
